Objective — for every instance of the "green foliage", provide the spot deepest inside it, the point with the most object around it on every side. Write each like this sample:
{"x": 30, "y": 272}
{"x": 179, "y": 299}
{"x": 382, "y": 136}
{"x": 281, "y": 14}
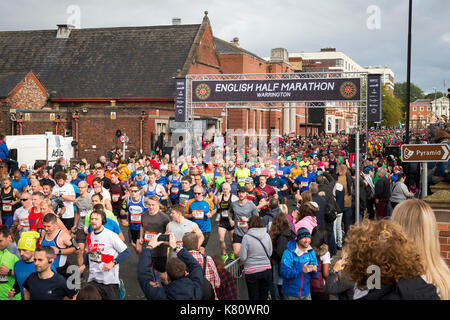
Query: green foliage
{"x": 414, "y": 94}
{"x": 432, "y": 95}
{"x": 391, "y": 108}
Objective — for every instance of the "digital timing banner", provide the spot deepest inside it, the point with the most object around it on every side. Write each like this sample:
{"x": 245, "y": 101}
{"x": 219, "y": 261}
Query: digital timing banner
{"x": 276, "y": 90}
{"x": 180, "y": 101}
{"x": 374, "y": 97}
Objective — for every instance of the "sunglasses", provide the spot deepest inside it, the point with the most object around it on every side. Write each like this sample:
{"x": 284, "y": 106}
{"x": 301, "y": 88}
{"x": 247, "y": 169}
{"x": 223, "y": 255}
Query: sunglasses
{"x": 24, "y": 199}
{"x": 198, "y": 193}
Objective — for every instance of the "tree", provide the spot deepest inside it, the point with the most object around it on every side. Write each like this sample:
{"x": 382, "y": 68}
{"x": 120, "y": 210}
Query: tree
{"x": 432, "y": 95}
{"x": 414, "y": 94}
{"x": 391, "y": 111}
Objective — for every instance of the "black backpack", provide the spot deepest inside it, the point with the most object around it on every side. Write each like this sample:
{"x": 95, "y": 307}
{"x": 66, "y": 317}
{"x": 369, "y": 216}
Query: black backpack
{"x": 208, "y": 291}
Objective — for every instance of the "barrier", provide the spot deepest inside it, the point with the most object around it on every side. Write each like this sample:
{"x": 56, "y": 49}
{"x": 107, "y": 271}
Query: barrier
{"x": 237, "y": 271}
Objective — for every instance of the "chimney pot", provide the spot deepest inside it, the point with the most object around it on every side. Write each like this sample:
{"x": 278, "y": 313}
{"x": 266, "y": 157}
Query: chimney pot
{"x": 236, "y": 41}
{"x": 176, "y": 21}
{"x": 64, "y": 31}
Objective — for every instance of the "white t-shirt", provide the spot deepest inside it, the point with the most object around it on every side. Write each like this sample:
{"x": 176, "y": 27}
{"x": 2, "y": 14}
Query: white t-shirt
{"x": 21, "y": 216}
{"x": 103, "y": 248}
{"x": 105, "y": 193}
{"x": 326, "y": 258}
{"x": 68, "y": 190}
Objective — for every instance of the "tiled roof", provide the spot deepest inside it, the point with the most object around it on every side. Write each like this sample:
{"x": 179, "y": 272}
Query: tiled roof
{"x": 8, "y": 81}
{"x": 128, "y": 62}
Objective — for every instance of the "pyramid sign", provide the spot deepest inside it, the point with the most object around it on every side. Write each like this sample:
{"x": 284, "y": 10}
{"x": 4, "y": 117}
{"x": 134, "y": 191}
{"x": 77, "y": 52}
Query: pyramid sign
{"x": 425, "y": 152}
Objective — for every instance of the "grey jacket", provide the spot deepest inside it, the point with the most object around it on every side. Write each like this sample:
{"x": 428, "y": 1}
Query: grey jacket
{"x": 400, "y": 192}
{"x": 252, "y": 253}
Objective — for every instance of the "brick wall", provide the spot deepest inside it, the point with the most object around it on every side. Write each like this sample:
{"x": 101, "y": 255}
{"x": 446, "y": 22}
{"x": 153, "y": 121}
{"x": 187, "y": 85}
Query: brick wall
{"x": 444, "y": 240}
{"x": 29, "y": 94}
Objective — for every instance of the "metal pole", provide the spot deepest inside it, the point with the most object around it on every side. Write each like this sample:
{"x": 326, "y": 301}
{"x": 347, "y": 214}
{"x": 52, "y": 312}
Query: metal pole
{"x": 408, "y": 73}
{"x": 124, "y": 147}
{"x": 357, "y": 178}
{"x": 424, "y": 179}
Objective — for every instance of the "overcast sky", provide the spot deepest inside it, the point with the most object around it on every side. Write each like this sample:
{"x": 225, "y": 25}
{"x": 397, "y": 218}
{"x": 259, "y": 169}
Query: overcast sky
{"x": 297, "y": 25}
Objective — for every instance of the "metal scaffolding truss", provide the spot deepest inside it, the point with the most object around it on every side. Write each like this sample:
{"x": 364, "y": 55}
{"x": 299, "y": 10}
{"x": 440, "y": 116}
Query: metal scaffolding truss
{"x": 192, "y": 141}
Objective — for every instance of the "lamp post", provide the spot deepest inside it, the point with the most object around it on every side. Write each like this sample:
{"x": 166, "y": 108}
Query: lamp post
{"x": 408, "y": 73}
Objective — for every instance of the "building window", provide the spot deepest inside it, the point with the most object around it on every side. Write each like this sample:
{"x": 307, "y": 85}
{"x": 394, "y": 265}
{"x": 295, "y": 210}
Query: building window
{"x": 414, "y": 108}
{"x": 161, "y": 127}
{"x": 339, "y": 62}
{"x": 329, "y": 124}
{"x": 421, "y": 108}
{"x": 414, "y": 117}
{"x": 428, "y": 108}
{"x": 337, "y": 125}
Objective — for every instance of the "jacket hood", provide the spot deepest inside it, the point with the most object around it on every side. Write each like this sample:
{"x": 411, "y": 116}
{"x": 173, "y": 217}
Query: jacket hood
{"x": 405, "y": 289}
{"x": 274, "y": 212}
{"x": 181, "y": 289}
{"x": 258, "y": 232}
{"x": 291, "y": 245}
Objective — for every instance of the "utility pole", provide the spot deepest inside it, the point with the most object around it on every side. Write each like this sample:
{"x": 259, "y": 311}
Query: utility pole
{"x": 408, "y": 73}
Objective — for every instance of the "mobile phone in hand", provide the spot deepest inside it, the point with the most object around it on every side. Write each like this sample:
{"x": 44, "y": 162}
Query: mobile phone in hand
{"x": 164, "y": 237}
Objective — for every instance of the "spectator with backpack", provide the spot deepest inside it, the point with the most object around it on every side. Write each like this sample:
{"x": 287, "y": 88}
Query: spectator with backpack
{"x": 255, "y": 253}
{"x": 319, "y": 244}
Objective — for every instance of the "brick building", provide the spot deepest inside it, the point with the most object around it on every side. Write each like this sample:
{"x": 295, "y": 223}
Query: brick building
{"x": 87, "y": 83}
{"x": 420, "y": 113}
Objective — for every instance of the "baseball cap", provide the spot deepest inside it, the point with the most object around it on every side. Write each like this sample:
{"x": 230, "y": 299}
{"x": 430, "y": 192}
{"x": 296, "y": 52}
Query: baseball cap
{"x": 28, "y": 240}
{"x": 248, "y": 180}
{"x": 303, "y": 233}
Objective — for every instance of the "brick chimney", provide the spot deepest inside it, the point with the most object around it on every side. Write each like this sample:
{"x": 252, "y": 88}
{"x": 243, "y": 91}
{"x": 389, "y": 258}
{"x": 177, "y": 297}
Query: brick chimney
{"x": 64, "y": 31}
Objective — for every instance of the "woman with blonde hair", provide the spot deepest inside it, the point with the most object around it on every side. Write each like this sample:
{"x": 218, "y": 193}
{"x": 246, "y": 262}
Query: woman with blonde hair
{"x": 419, "y": 223}
{"x": 384, "y": 247}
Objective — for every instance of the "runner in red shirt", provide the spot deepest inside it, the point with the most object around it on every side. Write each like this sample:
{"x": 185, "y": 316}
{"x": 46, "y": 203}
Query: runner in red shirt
{"x": 35, "y": 216}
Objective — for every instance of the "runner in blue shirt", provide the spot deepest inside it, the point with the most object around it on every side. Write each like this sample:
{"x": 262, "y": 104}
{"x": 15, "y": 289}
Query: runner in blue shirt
{"x": 200, "y": 211}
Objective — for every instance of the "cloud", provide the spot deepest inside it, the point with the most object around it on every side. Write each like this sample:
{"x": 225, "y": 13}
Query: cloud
{"x": 297, "y": 25}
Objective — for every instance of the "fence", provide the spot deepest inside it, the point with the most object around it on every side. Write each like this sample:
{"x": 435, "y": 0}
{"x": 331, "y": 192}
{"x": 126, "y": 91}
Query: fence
{"x": 237, "y": 270}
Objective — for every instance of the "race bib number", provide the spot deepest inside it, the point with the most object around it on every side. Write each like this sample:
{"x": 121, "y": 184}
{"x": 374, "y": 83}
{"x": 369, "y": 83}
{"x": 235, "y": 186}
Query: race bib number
{"x": 241, "y": 180}
{"x": 198, "y": 214}
{"x": 225, "y": 214}
{"x": 179, "y": 244}
{"x": 280, "y": 172}
{"x": 174, "y": 190}
{"x": 24, "y": 222}
{"x": 332, "y": 166}
{"x": 95, "y": 257}
{"x": 304, "y": 184}
{"x": 135, "y": 218}
{"x": 83, "y": 213}
{"x": 3, "y": 279}
{"x": 149, "y": 235}
{"x": 115, "y": 197}
{"x": 242, "y": 224}
{"x": 7, "y": 207}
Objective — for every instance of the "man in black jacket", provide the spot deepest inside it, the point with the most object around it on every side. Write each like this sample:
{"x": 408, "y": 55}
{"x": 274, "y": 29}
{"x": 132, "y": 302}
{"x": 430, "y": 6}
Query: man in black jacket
{"x": 382, "y": 194}
{"x": 185, "y": 276}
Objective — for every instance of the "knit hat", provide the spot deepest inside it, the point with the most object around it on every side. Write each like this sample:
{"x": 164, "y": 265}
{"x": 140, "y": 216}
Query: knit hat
{"x": 27, "y": 240}
{"x": 367, "y": 169}
{"x": 303, "y": 233}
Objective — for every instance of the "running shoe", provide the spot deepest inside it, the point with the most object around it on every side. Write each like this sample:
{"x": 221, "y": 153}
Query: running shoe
{"x": 224, "y": 257}
{"x": 121, "y": 290}
{"x": 232, "y": 256}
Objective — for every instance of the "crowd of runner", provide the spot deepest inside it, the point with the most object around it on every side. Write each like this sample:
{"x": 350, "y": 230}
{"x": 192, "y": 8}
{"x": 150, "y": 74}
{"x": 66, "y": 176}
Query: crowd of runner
{"x": 289, "y": 220}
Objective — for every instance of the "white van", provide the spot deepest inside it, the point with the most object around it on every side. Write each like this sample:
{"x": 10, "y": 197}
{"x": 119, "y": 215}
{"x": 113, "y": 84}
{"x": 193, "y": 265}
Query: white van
{"x": 29, "y": 148}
